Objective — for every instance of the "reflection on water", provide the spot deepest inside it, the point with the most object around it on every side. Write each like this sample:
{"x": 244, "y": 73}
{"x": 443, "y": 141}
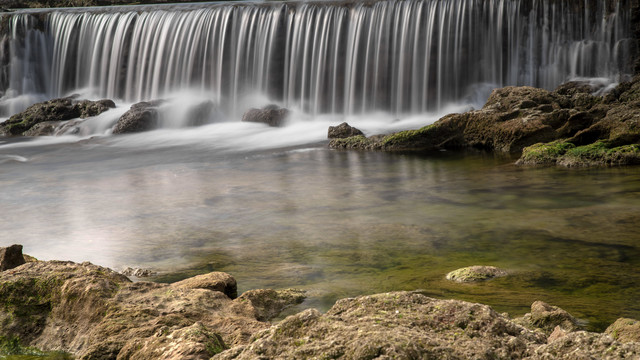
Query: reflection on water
{"x": 335, "y": 223}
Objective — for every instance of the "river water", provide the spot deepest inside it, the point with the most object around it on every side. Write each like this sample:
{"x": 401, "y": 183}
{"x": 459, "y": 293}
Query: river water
{"x": 277, "y": 210}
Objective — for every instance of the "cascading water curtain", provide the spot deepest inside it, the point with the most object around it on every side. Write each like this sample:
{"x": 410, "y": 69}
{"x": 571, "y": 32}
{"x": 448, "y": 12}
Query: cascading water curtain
{"x": 397, "y": 56}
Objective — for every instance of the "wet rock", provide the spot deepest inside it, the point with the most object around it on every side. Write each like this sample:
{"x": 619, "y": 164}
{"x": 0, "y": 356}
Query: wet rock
{"x": 402, "y": 325}
{"x": 138, "y": 272}
{"x": 50, "y": 112}
{"x": 214, "y": 281}
{"x": 200, "y": 114}
{"x": 547, "y": 317}
{"x": 566, "y": 127}
{"x": 11, "y": 257}
{"x": 342, "y": 131}
{"x": 271, "y": 115}
{"x": 625, "y": 330}
{"x": 574, "y": 87}
{"x": 475, "y": 273}
{"x": 142, "y": 116}
{"x": 269, "y": 303}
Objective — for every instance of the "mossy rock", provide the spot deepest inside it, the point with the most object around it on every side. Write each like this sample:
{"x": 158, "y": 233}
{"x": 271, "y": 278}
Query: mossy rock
{"x": 601, "y": 153}
{"x": 475, "y": 273}
{"x": 544, "y": 153}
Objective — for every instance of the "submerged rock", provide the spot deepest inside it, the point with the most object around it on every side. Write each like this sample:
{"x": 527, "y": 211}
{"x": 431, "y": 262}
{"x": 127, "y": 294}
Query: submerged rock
{"x": 342, "y": 131}
{"x": 52, "y": 113}
{"x": 11, "y": 257}
{"x": 269, "y": 303}
{"x": 138, "y": 272}
{"x": 475, "y": 273}
{"x": 271, "y": 115}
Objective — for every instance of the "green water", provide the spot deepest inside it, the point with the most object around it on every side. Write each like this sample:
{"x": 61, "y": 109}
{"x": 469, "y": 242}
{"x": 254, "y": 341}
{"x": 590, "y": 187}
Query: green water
{"x": 339, "y": 224}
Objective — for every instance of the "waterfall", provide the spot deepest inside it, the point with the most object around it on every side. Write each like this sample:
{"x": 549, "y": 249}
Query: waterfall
{"x": 397, "y": 56}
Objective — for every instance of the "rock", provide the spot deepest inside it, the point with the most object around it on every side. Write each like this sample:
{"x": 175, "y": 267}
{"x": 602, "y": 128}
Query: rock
{"x": 52, "y": 112}
{"x": 138, "y": 272}
{"x": 142, "y": 116}
{"x": 271, "y": 115}
{"x": 343, "y": 131}
{"x": 547, "y": 317}
{"x": 475, "y": 273}
{"x": 574, "y": 87}
{"x": 400, "y": 325}
{"x": 625, "y": 330}
{"x": 566, "y": 127}
{"x": 96, "y": 313}
{"x": 199, "y": 115}
{"x": 11, "y": 257}
{"x": 585, "y": 345}
{"x": 214, "y": 281}
{"x": 269, "y": 303}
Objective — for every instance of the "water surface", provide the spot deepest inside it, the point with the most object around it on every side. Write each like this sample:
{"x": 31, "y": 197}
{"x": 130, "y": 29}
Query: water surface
{"x": 334, "y": 223}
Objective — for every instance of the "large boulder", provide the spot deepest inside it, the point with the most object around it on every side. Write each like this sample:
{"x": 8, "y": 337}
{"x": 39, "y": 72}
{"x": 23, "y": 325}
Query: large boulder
{"x": 271, "y": 115}
{"x": 96, "y": 313}
{"x": 11, "y": 257}
{"x": 142, "y": 116}
{"x": 52, "y": 112}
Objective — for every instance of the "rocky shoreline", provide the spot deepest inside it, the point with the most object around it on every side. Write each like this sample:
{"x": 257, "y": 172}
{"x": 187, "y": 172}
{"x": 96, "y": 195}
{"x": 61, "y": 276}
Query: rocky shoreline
{"x": 568, "y": 127}
{"x": 93, "y": 312}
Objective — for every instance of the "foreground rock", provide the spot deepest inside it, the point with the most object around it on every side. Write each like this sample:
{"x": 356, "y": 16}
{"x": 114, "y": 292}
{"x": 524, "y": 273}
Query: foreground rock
{"x": 142, "y": 116}
{"x": 408, "y": 325}
{"x": 11, "y": 257}
{"x": 96, "y": 313}
{"x": 568, "y": 127}
{"x": 271, "y": 115}
{"x": 45, "y": 117}
{"x": 475, "y": 273}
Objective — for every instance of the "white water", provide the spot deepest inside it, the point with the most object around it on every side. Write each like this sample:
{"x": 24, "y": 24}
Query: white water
{"x": 399, "y": 57}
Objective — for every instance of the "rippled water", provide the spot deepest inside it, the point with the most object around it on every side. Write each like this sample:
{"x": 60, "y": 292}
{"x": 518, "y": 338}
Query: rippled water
{"x": 335, "y": 223}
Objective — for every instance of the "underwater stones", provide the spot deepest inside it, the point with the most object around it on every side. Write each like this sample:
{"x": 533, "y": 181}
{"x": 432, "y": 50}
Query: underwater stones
{"x": 215, "y": 281}
{"x": 475, "y": 273}
{"x": 269, "y": 303}
{"x": 11, "y": 257}
{"x": 138, "y": 272}
{"x": 56, "y": 110}
{"x": 342, "y": 131}
{"x": 625, "y": 330}
{"x": 142, "y": 116}
{"x": 271, "y": 115}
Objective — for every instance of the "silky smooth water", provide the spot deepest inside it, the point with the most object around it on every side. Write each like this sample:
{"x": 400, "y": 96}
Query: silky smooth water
{"x": 334, "y": 223}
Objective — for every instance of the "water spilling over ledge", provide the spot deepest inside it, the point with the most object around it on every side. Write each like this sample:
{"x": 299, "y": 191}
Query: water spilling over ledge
{"x": 318, "y": 57}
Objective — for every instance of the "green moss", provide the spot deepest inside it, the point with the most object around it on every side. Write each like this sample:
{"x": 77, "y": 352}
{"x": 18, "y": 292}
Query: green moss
{"x": 602, "y": 153}
{"x": 406, "y": 137}
{"x": 545, "y": 153}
